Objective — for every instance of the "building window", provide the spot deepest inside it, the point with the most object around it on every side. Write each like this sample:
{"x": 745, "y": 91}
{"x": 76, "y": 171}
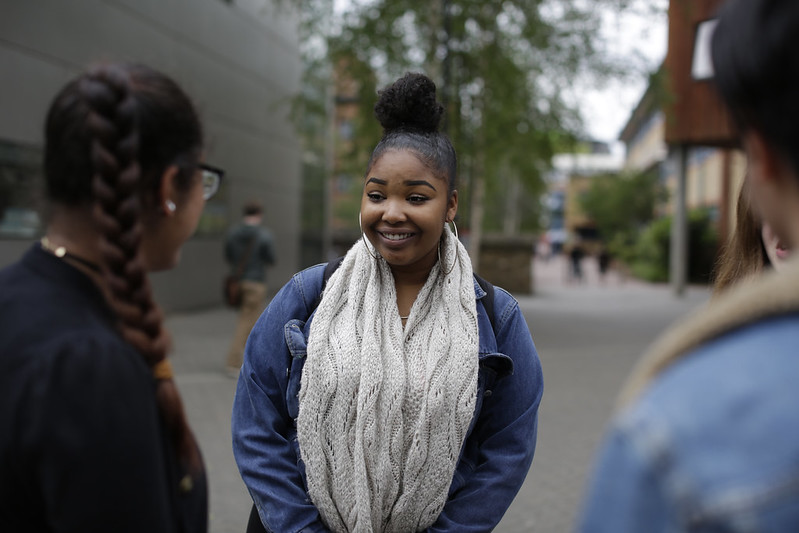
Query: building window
{"x": 20, "y": 183}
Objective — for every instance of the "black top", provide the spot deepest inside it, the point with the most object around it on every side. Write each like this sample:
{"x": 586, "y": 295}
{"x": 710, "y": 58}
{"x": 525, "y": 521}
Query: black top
{"x": 82, "y": 447}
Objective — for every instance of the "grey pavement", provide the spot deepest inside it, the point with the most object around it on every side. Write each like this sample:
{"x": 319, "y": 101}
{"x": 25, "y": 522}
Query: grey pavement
{"x": 588, "y": 336}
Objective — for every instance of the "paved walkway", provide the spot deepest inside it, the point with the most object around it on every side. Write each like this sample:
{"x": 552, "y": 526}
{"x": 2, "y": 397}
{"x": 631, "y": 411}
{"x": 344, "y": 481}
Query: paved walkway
{"x": 588, "y": 336}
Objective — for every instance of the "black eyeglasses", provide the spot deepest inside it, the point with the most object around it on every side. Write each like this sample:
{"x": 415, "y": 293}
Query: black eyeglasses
{"x": 212, "y": 178}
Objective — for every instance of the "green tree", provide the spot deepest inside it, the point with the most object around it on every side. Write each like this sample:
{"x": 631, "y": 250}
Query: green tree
{"x": 621, "y": 206}
{"x": 504, "y": 70}
{"x": 653, "y": 249}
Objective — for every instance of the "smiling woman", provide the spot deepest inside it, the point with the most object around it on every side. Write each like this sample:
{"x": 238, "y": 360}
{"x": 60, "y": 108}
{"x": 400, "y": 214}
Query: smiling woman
{"x": 404, "y": 218}
{"x": 404, "y": 402}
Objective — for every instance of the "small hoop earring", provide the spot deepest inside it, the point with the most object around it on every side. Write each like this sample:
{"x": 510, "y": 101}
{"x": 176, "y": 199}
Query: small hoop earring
{"x": 363, "y": 237}
{"x": 447, "y": 272}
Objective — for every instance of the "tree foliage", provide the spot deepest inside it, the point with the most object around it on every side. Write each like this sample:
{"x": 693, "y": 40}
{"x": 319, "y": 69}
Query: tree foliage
{"x": 505, "y": 72}
{"x": 621, "y": 205}
{"x": 652, "y": 252}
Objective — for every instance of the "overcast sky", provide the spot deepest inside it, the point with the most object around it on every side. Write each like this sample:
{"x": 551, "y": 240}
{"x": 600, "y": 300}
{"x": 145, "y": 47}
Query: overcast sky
{"x": 642, "y": 37}
{"x": 639, "y": 36}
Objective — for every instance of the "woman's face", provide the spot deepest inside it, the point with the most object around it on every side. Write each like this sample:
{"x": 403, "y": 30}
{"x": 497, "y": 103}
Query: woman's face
{"x": 404, "y": 208}
{"x": 776, "y": 250}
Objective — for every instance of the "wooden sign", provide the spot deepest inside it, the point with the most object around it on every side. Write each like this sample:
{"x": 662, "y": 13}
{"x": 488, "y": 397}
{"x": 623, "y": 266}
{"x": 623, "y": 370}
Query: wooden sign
{"x": 695, "y": 114}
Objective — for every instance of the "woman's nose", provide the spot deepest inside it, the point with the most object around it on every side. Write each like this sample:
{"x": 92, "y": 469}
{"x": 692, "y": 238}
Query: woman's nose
{"x": 394, "y": 212}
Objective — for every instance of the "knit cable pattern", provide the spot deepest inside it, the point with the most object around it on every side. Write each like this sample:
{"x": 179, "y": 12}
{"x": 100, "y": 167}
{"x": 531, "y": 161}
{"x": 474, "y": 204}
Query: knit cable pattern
{"x": 384, "y": 410}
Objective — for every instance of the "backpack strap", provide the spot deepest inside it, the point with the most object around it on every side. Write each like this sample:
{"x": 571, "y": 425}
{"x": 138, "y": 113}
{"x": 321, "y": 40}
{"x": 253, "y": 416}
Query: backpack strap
{"x": 488, "y": 299}
{"x": 246, "y": 257}
{"x": 331, "y": 267}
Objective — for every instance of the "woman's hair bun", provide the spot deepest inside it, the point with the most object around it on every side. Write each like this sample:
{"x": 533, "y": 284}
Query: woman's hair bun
{"x": 409, "y": 104}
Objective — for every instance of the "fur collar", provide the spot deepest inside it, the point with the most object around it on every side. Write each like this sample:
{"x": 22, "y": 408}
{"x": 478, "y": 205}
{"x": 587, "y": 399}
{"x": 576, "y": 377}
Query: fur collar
{"x": 771, "y": 294}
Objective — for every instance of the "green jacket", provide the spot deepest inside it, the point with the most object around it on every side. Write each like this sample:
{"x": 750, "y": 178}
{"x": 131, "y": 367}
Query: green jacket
{"x": 262, "y": 253}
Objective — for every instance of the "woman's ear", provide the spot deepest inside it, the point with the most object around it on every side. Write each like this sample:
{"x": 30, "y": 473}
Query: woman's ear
{"x": 452, "y": 206}
{"x": 168, "y": 192}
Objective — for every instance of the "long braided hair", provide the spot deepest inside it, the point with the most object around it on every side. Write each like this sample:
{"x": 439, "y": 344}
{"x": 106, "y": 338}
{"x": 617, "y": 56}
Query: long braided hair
{"x": 110, "y": 135}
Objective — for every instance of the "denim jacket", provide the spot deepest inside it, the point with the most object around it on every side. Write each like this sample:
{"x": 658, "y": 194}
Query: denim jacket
{"x": 495, "y": 457}
{"x": 711, "y": 446}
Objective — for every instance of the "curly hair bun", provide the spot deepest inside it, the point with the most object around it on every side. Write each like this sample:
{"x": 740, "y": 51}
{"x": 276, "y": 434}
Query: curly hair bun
{"x": 409, "y": 104}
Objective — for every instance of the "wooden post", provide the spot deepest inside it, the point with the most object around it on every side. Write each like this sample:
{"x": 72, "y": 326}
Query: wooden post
{"x": 679, "y": 225}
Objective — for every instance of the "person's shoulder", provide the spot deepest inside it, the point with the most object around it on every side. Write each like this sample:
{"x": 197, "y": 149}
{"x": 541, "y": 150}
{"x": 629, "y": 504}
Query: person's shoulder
{"x": 234, "y": 231}
{"x": 503, "y": 301}
{"x": 311, "y": 274}
{"x": 305, "y": 285}
{"x": 722, "y": 417}
{"x": 704, "y": 389}
{"x": 11, "y": 275}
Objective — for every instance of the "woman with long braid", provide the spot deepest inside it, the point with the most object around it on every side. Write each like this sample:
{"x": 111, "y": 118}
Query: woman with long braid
{"x": 93, "y": 435}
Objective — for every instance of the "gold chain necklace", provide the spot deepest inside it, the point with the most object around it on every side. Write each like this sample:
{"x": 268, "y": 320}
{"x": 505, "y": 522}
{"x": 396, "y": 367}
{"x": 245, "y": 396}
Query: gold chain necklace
{"x": 62, "y": 253}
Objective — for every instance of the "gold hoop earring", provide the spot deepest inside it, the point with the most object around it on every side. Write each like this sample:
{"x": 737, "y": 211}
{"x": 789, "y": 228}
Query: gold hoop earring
{"x": 363, "y": 237}
{"x": 455, "y": 260}
{"x": 455, "y": 226}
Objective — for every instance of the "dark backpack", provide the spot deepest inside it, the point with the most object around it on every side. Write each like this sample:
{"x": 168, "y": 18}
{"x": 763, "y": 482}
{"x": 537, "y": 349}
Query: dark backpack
{"x": 488, "y": 299}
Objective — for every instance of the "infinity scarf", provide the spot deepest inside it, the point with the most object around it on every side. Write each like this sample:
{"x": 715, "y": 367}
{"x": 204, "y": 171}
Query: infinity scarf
{"x": 384, "y": 410}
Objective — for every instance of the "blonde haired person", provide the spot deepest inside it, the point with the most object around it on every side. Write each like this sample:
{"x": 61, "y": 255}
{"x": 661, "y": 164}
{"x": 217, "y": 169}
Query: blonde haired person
{"x": 752, "y": 248}
{"x": 706, "y": 435}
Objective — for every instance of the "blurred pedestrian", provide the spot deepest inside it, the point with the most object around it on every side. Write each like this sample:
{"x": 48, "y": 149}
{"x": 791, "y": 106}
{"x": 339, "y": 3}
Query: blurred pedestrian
{"x": 543, "y": 248}
{"x": 707, "y": 438}
{"x": 603, "y": 262}
{"x": 93, "y": 435}
{"x": 576, "y": 254}
{"x": 404, "y": 396}
{"x": 752, "y": 248}
{"x": 249, "y": 249}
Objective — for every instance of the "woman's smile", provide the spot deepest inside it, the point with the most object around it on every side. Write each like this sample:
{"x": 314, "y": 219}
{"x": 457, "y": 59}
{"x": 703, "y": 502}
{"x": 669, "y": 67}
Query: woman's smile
{"x": 395, "y": 237}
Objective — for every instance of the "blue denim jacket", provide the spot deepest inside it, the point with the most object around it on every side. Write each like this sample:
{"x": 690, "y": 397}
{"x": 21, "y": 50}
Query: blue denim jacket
{"x": 711, "y": 446}
{"x": 495, "y": 457}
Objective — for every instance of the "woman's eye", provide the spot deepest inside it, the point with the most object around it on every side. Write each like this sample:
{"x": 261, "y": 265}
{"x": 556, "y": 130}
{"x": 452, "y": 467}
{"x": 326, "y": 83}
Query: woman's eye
{"x": 417, "y": 199}
{"x": 374, "y": 196}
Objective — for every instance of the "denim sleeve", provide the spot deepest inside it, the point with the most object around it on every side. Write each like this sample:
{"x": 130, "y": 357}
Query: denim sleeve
{"x": 625, "y": 494}
{"x": 505, "y": 432}
{"x": 261, "y": 425}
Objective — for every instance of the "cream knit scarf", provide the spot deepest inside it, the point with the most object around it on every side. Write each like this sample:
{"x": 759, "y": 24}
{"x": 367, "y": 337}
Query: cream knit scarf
{"x": 384, "y": 410}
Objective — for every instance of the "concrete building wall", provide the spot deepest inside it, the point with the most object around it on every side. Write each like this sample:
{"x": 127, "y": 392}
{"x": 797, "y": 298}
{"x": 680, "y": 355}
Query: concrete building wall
{"x": 648, "y": 147}
{"x": 238, "y": 60}
{"x": 703, "y": 183}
